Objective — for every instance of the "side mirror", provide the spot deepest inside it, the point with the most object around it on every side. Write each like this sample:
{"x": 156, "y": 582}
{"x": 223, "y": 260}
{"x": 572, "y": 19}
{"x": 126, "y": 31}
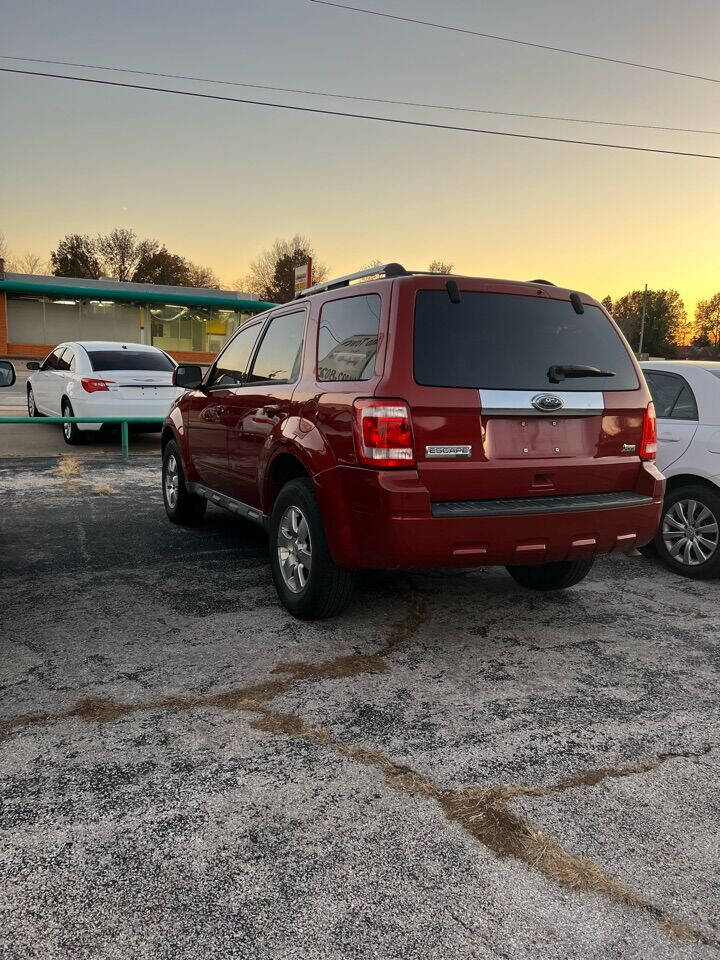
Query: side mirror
{"x": 7, "y": 373}
{"x": 189, "y": 376}
{"x": 32, "y": 365}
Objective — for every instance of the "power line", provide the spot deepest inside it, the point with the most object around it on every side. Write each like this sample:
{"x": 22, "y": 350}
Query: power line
{"x": 349, "y": 96}
{"x": 524, "y": 43}
{"x": 359, "y": 116}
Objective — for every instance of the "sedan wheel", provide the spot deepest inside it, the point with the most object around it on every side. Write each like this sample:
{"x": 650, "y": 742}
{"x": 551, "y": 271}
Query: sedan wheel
{"x": 32, "y": 409}
{"x": 688, "y": 540}
{"x": 690, "y": 532}
{"x": 70, "y": 430}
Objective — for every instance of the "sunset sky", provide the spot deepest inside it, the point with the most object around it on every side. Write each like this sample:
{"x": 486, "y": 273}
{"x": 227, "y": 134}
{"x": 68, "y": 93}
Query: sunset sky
{"x": 218, "y": 182}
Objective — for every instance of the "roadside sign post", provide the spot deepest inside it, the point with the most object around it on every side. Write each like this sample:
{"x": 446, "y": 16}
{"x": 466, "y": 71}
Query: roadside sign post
{"x": 642, "y": 321}
{"x": 303, "y": 276}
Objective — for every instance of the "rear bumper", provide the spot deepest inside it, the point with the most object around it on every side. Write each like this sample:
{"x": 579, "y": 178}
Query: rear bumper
{"x": 385, "y": 520}
{"x": 95, "y": 405}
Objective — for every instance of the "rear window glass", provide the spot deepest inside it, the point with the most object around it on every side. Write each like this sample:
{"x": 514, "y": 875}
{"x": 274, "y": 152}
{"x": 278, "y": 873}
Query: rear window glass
{"x": 508, "y": 342}
{"x": 129, "y": 360}
{"x": 672, "y": 396}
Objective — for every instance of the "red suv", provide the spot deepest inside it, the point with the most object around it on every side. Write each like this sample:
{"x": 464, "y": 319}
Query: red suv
{"x": 421, "y": 420}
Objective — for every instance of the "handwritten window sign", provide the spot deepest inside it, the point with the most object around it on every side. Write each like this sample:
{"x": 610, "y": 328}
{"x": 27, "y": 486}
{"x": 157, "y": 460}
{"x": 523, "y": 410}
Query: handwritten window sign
{"x": 348, "y": 338}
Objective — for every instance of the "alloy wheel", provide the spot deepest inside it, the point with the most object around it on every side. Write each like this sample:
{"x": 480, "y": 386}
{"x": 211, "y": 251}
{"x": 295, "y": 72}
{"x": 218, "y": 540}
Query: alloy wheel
{"x": 31, "y": 403}
{"x": 67, "y": 427}
{"x": 294, "y": 549}
{"x": 172, "y": 481}
{"x": 690, "y": 532}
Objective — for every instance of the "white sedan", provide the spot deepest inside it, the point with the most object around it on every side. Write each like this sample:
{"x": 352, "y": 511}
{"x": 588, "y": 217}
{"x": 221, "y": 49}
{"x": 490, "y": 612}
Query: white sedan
{"x": 686, "y": 394}
{"x": 101, "y": 379}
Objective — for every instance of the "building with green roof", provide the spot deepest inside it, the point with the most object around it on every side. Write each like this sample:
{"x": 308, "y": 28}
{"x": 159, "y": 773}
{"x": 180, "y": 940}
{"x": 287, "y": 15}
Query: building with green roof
{"x": 190, "y": 323}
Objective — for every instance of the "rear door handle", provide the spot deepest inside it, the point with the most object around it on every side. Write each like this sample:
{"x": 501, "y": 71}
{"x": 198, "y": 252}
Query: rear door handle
{"x": 669, "y": 437}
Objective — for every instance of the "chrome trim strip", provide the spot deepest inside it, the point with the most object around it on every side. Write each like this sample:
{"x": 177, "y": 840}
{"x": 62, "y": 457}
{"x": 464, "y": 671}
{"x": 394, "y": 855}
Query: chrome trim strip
{"x": 235, "y": 506}
{"x": 448, "y": 451}
{"x": 519, "y": 403}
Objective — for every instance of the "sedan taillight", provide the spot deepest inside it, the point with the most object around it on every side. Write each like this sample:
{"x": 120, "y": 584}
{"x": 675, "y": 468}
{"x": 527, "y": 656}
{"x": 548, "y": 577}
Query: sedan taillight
{"x": 90, "y": 385}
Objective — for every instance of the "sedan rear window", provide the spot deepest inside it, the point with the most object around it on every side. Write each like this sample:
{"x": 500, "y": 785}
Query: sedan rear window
{"x": 509, "y": 342}
{"x": 672, "y": 396}
{"x": 129, "y": 360}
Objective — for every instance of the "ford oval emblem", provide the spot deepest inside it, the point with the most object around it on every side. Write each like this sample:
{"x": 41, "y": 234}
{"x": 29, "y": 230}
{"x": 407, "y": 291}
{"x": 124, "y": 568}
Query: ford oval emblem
{"x": 547, "y": 402}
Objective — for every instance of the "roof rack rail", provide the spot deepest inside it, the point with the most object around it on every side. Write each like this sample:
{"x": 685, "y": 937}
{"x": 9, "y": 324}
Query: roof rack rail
{"x": 386, "y": 269}
{"x": 547, "y": 283}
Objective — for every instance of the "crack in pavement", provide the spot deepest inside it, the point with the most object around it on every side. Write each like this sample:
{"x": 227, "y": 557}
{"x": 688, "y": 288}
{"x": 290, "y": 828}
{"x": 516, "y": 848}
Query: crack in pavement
{"x": 482, "y": 812}
{"x": 100, "y": 710}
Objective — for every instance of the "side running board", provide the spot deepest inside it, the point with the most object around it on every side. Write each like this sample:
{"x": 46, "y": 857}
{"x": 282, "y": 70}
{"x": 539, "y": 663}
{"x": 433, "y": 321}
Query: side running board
{"x": 235, "y": 506}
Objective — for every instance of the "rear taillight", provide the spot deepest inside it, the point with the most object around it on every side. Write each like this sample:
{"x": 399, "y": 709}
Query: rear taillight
{"x": 383, "y": 433}
{"x": 648, "y": 444}
{"x": 93, "y": 386}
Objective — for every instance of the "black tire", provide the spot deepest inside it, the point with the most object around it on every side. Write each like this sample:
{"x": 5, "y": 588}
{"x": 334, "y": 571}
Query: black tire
{"x": 185, "y": 508}
{"x": 327, "y": 588}
{"x": 552, "y": 576}
{"x": 706, "y": 517}
{"x": 31, "y": 405}
{"x": 71, "y": 434}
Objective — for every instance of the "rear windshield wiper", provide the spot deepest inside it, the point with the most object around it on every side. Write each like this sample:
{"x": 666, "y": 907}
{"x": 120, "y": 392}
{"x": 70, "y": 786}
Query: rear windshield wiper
{"x": 560, "y": 372}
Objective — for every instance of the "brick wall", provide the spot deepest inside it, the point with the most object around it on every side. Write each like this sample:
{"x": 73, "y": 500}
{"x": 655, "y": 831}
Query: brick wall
{"x": 3, "y": 323}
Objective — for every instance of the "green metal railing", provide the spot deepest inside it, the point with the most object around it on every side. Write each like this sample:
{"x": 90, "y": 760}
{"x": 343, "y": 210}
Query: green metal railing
{"x": 123, "y": 421}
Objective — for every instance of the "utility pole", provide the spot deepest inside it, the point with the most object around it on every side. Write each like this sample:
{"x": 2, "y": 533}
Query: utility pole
{"x": 642, "y": 322}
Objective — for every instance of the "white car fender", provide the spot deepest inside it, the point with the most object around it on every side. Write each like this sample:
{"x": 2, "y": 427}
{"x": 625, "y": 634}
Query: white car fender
{"x": 714, "y": 442}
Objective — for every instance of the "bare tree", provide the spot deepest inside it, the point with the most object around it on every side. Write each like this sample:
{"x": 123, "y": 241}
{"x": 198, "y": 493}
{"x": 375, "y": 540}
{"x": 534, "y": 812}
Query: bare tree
{"x": 10, "y": 264}
{"x": 373, "y": 263}
{"x": 31, "y": 263}
{"x": 440, "y": 266}
{"x": 199, "y": 276}
{"x": 121, "y": 252}
{"x": 27, "y": 263}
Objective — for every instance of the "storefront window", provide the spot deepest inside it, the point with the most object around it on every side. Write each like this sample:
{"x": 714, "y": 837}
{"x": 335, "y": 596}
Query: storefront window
{"x": 26, "y": 319}
{"x": 51, "y": 321}
{"x": 110, "y": 320}
{"x": 196, "y": 329}
{"x": 46, "y": 320}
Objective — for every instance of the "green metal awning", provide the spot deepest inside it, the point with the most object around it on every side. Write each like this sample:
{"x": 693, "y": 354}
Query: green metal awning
{"x": 135, "y": 292}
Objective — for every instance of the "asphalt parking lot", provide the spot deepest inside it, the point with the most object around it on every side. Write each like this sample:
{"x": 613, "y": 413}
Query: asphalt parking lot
{"x": 455, "y": 768}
